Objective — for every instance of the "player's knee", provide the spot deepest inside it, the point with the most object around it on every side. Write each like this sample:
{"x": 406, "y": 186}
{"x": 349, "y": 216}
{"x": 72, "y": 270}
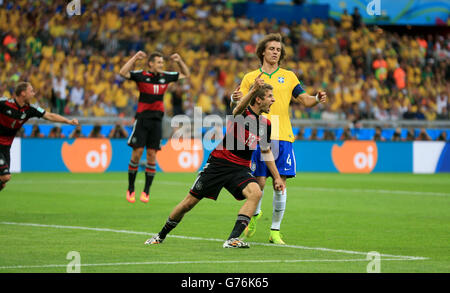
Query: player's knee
{"x": 261, "y": 182}
{"x": 137, "y": 154}
{"x": 253, "y": 192}
{"x": 5, "y": 178}
{"x": 258, "y": 194}
{"x": 151, "y": 156}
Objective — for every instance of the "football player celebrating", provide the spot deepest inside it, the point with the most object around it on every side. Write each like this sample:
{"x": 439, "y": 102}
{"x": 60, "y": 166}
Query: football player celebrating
{"x": 147, "y": 129}
{"x": 286, "y": 88}
{"x": 13, "y": 114}
{"x": 229, "y": 165}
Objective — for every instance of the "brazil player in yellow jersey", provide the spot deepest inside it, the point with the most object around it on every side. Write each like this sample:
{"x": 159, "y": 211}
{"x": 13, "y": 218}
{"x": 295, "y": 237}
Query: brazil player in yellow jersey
{"x": 286, "y": 88}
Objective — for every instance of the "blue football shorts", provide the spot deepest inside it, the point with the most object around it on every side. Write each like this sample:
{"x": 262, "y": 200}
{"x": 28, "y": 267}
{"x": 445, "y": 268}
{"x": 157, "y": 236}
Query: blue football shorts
{"x": 284, "y": 160}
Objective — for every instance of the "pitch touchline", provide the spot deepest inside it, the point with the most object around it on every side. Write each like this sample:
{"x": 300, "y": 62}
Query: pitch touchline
{"x": 327, "y": 189}
{"x": 405, "y": 257}
{"x": 197, "y": 262}
{"x": 406, "y": 192}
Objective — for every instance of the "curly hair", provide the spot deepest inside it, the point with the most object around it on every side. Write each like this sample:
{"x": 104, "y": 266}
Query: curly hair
{"x": 261, "y": 47}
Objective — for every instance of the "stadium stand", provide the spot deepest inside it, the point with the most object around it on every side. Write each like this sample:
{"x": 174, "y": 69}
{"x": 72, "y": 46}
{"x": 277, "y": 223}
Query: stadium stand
{"x": 369, "y": 73}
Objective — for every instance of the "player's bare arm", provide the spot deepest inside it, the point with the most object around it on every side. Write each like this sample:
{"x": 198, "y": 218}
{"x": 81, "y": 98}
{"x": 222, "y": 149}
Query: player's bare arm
{"x": 58, "y": 118}
{"x": 184, "y": 70}
{"x": 245, "y": 101}
{"x": 311, "y": 101}
{"x": 125, "y": 70}
{"x": 267, "y": 156}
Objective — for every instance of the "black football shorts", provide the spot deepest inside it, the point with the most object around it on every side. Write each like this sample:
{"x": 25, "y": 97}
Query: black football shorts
{"x": 217, "y": 174}
{"x": 146, "y": 133}
{"x": 5, "y": 160}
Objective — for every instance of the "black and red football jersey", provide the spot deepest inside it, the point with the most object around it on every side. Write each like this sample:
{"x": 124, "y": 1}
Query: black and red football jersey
{"x": 244, "y": 132}
{"x": 12, "y": 117}
{"x": 152, "y": 87}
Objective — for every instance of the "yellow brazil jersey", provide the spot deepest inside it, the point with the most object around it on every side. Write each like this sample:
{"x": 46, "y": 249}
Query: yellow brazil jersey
{"x": 285, "y": 85}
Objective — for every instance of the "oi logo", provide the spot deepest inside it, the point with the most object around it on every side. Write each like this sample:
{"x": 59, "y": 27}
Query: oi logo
{"x": 355, "y": 156}
{"x": 87, "y": 155}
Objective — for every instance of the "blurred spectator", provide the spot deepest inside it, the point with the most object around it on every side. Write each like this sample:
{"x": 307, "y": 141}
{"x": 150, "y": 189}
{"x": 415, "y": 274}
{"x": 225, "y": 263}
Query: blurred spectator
{"x": 301, "y": 134}
{"x": 378, "y": 134}
{"x": 397, "y": 134}
{"x": 60, "y": 91}
{"x": 410, "y": 135}
{"x": 329, "y": 135}
{"x": 313, "y": 135}
{"x": 77, "y": 94}
{"x": 442, "y": 136}
{"x": 76, "y": 133}
{"x": 420, "y": 114}
{"x": 400, "y": 77}
{"x": 380, "y": 67}
{"x": 328, "y": 114}
{"x": 96, "y": 132}
{"x": 109, "y": 109}
{"x": 442, "y": 105}
{"x": 423, "y": 135}
{"x": 346, "y": 20}
{"x": 346, "y": 134}
{"x": 409, "y": 114}
{"x": 36, "y": 132}
{"x": 356, "y": 18}
{"x": 118, "y": 131}
{"x": 55, "y": 132}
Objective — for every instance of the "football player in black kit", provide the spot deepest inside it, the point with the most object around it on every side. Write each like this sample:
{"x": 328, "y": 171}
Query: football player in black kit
{"x": 229, "y": 165}
{"x": 147, "y": 129}
{"x": 13, "y": 114}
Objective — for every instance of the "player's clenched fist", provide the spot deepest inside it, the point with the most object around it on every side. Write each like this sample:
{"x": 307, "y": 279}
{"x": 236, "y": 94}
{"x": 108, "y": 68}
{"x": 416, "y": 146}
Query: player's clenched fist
{"x": 175, "y": 57}
{"x": 322, "y": 97}
{"x": 140, "y": 55}
{"x": 237, "y": 94}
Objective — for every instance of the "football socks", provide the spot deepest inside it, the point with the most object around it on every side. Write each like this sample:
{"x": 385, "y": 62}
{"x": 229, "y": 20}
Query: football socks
{"x": 279, "y": 205}
{"x": 132, "y": 171}
{"x": 150, "y": 170}
{"x": 169, "y": 226}
{"x": 240, "y": 225}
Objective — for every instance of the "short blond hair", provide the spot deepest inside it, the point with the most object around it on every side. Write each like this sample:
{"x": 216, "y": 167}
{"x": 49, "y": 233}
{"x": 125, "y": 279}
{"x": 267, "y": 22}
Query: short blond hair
{"x": 21, "y": 87}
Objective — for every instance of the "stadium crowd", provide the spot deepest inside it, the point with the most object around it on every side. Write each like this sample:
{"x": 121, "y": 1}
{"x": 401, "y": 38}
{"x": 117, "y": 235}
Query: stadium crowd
{"x": 73, "y": 62}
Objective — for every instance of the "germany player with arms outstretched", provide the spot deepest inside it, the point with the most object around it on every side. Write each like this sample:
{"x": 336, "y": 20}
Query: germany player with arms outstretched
{"x": 13, "y": 114}
{"x": 147, "y": 129}
{"x": 286, "y": 88}
{"x": 228, "y": 166}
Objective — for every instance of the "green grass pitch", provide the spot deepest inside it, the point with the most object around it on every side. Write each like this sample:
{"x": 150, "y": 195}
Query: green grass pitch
{"x": 331, "y": 222}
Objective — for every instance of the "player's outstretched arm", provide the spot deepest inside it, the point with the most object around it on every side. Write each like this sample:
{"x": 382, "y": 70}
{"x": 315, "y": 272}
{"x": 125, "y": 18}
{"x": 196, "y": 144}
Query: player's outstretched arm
{"x": 125, "y": 70}
{"x": 184, "y": 70}
{"x": 311, "y": 101}
{"x": 58, "y": 118}
{"x": 245, "y": 101}
{"x": 268, "y": 158}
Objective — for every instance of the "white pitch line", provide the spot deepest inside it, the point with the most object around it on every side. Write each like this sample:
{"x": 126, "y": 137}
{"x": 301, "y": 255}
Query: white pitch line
{"x": 187, "y": 184}
{"x": 364, "y": 191}
{"x": 405, "y": 257}
{"x": 197, "y": 262}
